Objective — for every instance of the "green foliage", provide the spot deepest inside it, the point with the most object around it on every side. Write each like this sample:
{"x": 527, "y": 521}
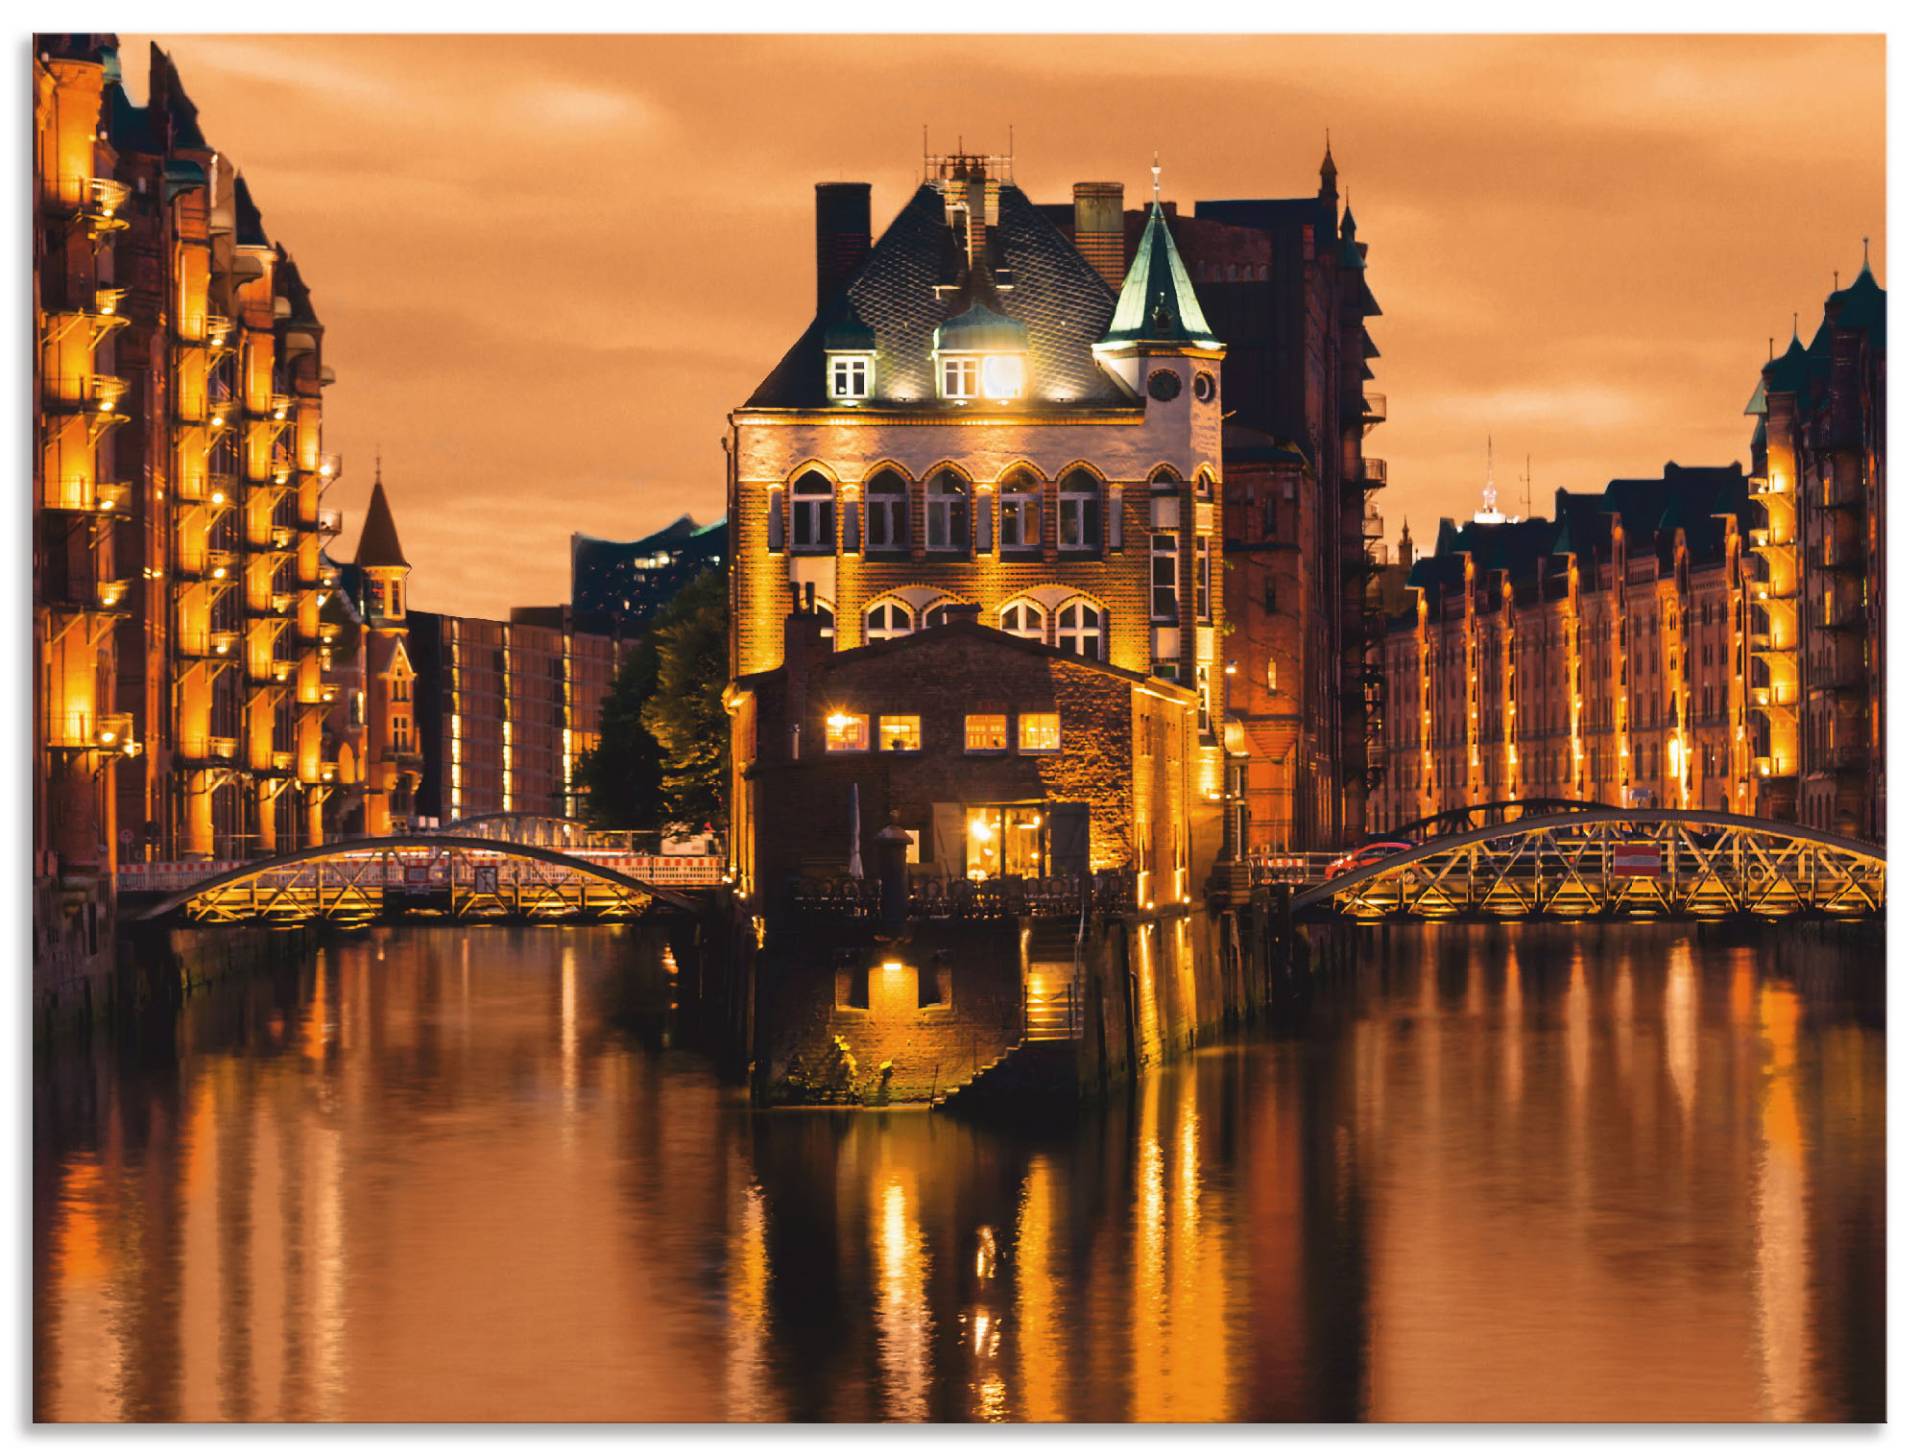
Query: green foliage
{"x": 622, "y": 772}
{"x": 685, "y": 714}
{"x": 664, "y": 737}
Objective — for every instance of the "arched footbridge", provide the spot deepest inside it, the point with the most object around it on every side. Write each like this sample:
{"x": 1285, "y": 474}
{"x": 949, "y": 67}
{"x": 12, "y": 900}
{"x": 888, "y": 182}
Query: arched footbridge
{"x": 1600, "y": 863}
{"x": 440, "y": 876}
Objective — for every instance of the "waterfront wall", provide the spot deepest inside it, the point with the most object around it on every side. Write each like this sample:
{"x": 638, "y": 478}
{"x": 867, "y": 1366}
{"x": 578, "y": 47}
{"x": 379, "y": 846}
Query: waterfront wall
{"x": 842, "y": 1014}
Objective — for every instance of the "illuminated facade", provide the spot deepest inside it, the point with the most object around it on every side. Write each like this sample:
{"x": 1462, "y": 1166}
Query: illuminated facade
{"x": 975, "y": 419}
{"x": 1818, "y": 578}
{"x": 1600, "y": 655}
{"x": 503, "y": 712}
{"x": 80, "y": 589}
{"x": 181, "y": 447}
{"x": 82, "y": 740}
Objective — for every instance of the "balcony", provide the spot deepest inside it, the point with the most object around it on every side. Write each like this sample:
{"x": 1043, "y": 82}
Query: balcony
{"x": 212, "y": 566}
{"x": 95, "y": 497}
{"x": 1373, "y": 472}
{"x": 91, "y": 394}
{"x": 279, "y": 407}
{"x": 329, "y": 468}
{"x": 327, "y": 522}
{"x": 94, "y": 201}
{"x": 203, "y": 749}
{"x": 1373, "y": 409}
{"x": 112, "y": 595}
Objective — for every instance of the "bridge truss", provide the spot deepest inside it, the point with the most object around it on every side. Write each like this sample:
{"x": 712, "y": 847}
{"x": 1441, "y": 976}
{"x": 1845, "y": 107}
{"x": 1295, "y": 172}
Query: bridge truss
{"x": 1621, "y": 863}
{"x": 427, "y": 876}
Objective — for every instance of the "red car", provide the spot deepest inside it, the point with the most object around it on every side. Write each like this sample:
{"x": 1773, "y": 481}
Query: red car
{"x": 1366, "y": 854}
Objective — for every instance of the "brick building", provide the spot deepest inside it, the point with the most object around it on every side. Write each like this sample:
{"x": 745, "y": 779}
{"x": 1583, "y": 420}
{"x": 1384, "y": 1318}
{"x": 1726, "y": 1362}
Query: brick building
{"x": 182, "y": 456}
{"x": 1819, "y": 482}
{"x": 998, "y": 756}
{"x": 1599, "y": 655}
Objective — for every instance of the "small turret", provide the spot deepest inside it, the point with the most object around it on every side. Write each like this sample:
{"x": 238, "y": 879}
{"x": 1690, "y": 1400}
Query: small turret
{"x": 1329, "y": 176}
{"x": 386, "y": 567}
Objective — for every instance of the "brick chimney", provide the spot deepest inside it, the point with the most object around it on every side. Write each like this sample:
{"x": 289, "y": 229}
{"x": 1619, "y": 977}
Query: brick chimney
{"x": 807, "y": 645}
{"x": 1100, "y": 229}
{"x": 842, "y": 234}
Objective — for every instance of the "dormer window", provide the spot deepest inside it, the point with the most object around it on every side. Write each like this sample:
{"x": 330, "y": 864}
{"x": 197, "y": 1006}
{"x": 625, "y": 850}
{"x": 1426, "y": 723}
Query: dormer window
{"x": 981, "y": 354}
{"x": 850, "y": 376}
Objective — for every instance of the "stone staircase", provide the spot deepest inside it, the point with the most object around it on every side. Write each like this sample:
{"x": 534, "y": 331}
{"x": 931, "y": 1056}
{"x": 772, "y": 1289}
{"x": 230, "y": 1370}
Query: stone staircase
{"x": 1039, "y": 1074}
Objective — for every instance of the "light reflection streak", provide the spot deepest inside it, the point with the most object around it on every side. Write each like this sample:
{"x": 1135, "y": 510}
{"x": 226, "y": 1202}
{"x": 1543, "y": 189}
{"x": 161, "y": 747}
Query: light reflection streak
{"x": 1035, "y": 1303}
{"x": 900, "y": 1311}
{"x": 1780, "y": 1255}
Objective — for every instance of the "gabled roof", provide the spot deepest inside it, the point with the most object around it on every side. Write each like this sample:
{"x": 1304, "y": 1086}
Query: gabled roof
{"x": 248, "y": 231}
{"x": 1157, "y": 303}
{"x": 386, "y": 651}
{"x": 379, "y": 539}
{"x": 903, "y": 293}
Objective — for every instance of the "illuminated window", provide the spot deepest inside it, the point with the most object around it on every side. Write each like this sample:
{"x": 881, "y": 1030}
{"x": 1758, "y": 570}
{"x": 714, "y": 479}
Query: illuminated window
{"x": 1024, "y": 619}
{"x": 887, "y": 620}
{"x": 1039, "y": 732}
{"x": 960, "y": 378}
{"x": 1080, "y": 631}
{"x": 1166, "y": 577}
{"x": 900, "y": 733}
{"x": 1008, "y": 839}
{"x": 986, "y": 733}
{"x": 846, "y": 732}
{"x": 1079, "y": 511}
{"x": 850, "y": 376}
{"x": 947, "y": 498}
{"x": 1020, "y": 512}
{"x": 812, "y": 513}
{"x": 1203, "y": 581}
{"x": 1003, "y": 377}
{"x": 886, "y": 512}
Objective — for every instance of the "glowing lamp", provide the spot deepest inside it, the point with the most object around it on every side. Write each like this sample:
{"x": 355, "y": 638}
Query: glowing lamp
{"x": 1002, "y": 376}
{"x": 981, "y": 830}
{"x": 838, "y": 720}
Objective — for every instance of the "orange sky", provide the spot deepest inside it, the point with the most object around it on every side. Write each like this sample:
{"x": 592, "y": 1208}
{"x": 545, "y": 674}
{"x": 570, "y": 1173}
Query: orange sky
{"x": 548, "y": 266}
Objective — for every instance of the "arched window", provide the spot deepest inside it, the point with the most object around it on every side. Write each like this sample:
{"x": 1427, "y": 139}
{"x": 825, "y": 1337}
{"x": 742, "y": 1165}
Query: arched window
{"x": 813, "y": 513}
{"x": 1080, "y": 630}
{"x": 888, "y": 619}
{"x": 1079, "y": 511}
{"x": 1020, "y": 512}
{"x": 947, "y": 498}
{"x": 1024, "y": 619}
{"x": 1163, "y": 479}
{"x": 886, "y": 512}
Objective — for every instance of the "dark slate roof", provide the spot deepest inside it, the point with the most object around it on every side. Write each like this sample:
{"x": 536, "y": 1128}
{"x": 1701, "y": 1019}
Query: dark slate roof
{"x": 379, "y": 540}
{"x": 248, "y": 232}
{"x": 130, "y": 127}
{"x": 183, "y": 117}
{"x": 1063, "y": 302}
{"x": 1863, "y": 308}
{"x": 288, "y": 283}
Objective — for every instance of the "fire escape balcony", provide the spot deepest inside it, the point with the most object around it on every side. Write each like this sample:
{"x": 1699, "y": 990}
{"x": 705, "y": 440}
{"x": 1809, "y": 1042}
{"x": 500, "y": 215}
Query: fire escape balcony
{"x": 1842, "y": 618}
{"x": 1373, "y": 473}
{"x": 215, "y": 645}
{"x": 83, "y": 497}
{"x": 86, "y": 394}
{"x": 328, "y": 470}
{"x": 327, "y": 523}
{"x": 1373, "y": 410}
{"x": 214, "y": 565}
{"x": 203, "y": 750}
{"x": 93, "y": 202}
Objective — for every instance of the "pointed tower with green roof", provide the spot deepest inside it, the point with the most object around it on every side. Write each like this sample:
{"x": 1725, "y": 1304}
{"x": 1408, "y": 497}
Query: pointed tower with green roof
{"x": 1158, "y": 313}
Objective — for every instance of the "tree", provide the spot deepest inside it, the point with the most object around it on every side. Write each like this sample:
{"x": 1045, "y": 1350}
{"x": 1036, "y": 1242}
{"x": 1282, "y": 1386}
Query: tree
{"x": 685, "y": 713}
{"x": 621, "y": 773}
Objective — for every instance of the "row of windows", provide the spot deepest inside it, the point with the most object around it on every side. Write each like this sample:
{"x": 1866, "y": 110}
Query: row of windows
{"x": 1079, "y": 626}
{"x": 951, "y": 525}
{"x": 900, "y": 732}
{"x": 999, "y": 377}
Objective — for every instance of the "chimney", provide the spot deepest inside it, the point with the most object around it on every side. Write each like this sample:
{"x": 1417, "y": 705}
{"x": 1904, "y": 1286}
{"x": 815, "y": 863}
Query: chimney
{"x": 842, "y": 234}
{"x": 807, "y": 646}
{"x": 1099, "y": 229}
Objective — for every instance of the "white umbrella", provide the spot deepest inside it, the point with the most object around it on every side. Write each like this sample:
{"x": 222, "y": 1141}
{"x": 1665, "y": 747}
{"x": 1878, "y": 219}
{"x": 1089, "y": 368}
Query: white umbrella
{"x": 854, "y": 867}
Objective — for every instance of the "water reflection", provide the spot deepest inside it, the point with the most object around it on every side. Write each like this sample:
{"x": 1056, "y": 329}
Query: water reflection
{"x": 457, "y": 1174}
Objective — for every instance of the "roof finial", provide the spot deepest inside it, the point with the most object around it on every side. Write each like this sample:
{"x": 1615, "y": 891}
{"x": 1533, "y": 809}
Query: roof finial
{"x": 376, "y": 463}
{"x": 1866, "y": 252}
{"x": 1156, "y": 176}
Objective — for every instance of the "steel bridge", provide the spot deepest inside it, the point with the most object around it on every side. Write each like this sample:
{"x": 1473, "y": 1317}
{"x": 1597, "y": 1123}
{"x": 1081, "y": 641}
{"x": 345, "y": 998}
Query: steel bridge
{"x": 1465, "y": 818}
{"x": 427, "y": 876}
{"x": 1596, "y": 862}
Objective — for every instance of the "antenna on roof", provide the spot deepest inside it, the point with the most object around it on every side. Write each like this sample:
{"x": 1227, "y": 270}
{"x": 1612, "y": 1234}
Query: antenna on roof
{"x": 1526, "y": 480}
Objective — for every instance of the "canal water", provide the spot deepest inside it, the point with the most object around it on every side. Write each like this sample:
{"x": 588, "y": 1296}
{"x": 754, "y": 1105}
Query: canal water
{"x": 1622, "y": 1174}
